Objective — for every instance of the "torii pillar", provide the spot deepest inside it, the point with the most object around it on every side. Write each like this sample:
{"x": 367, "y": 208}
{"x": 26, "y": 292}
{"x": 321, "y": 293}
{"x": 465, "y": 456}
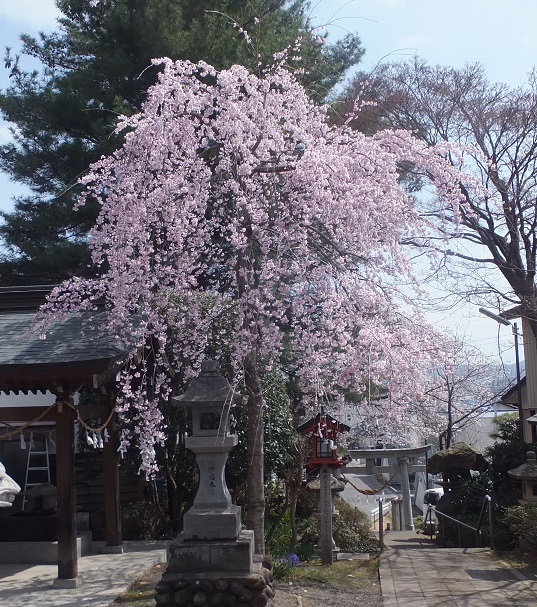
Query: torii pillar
{"x": 403, "y": 467}
{"x": 408, "y": 523}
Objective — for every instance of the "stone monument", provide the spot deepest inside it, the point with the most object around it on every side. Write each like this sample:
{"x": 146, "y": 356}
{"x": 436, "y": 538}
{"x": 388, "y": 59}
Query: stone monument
{"x": 212, "y": 562}
{"x": 8, "y": 488}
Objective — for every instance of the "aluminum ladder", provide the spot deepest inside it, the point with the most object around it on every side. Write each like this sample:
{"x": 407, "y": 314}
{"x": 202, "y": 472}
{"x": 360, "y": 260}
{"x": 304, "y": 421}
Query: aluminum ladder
{"x": 37, "y": 466}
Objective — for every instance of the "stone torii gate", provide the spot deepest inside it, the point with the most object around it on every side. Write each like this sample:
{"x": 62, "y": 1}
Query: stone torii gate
{"x": 403, "y": 466}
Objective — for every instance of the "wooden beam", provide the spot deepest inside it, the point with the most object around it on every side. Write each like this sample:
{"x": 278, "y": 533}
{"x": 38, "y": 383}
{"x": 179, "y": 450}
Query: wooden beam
{"x": 112, "y": 506}
{"x": 65, "y": 485}
{"x": 26, "y": 414}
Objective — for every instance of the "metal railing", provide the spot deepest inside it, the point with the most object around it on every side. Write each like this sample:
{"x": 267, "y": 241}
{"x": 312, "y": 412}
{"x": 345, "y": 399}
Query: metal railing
{"x": 486, "y": 507}
{"x": 377, "y": 515}
{"x": 381, "y": 523}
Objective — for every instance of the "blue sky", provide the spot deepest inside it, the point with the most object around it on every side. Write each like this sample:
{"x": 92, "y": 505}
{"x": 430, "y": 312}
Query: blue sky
{"x": 501, "y": 35}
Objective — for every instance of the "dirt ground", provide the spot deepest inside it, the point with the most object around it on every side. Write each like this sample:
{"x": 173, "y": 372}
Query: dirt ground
{"x": 309, "y": 593}
{"x": 345, "y": 584}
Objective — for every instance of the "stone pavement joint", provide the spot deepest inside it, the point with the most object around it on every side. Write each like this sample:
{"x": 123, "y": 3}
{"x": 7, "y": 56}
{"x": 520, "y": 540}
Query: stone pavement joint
{"x": 415, "y": 572}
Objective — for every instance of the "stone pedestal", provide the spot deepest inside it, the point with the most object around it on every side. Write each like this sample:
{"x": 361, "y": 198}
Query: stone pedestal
{"x": 188, "y": 556}
{"x": 210, "y": 524}
{"x": 215, "y": 573}
{"x": 212, "y": 516}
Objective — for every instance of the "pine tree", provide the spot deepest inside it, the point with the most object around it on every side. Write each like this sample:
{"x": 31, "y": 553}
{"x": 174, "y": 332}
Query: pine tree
{"x": 97, "y": 67}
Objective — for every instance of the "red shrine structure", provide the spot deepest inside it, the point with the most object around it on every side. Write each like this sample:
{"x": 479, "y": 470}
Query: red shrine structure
{"x": 324, "y": 430}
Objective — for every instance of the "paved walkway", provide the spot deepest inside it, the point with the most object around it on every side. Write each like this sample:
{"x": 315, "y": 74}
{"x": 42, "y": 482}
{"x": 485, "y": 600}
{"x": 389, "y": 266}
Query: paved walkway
{"x": 104, "y": 577}
{"x": 414, "y": 572}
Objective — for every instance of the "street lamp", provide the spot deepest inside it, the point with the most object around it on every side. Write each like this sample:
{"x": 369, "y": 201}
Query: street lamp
{"x": 507, "y": 323}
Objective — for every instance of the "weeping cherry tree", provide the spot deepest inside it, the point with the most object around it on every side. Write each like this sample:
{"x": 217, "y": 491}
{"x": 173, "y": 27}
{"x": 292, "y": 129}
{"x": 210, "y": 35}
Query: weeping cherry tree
{"x": 234, "y": 198}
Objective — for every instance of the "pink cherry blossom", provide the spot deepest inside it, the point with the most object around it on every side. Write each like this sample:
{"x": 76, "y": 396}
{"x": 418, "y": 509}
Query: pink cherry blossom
{"x": 234, "y": 197}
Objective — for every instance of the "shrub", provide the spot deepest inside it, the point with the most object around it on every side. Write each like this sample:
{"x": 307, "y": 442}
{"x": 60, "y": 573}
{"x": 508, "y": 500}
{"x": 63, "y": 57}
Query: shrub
{"x": 305, "y": 552}
{"x": 143, "y": 520}
{"x": 280, "y": 543}
{"x": 350, "y": 538}
{"x": 274, "y": 499}
{"x": 521, "y": 521}
{"x": 351, "y": 530}
{"x": 355, "y": 517}
{"x": 467, "y": 497}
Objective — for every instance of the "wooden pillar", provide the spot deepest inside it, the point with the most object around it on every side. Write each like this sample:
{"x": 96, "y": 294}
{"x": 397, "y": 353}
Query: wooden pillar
{"x": 112, "y": 506}
{"x": 530, "y": 363}
{"x": 66, "y": 494}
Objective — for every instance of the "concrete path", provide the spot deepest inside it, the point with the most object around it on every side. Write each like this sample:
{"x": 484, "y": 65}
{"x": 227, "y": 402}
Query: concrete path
{"x": 104, "y": 577}
{"x": 414, "y": 572}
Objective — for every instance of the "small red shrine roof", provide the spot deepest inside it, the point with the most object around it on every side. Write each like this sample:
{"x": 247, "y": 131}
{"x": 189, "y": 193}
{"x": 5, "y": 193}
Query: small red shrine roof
{"x": 330, "y": 421}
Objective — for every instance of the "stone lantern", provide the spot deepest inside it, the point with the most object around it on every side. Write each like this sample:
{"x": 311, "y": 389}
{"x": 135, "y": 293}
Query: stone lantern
{"x": 336, "y": 486}
{"x": 212, "y": 561}
{"x": 527, "y": 474}
{"x": 210, "y": 398}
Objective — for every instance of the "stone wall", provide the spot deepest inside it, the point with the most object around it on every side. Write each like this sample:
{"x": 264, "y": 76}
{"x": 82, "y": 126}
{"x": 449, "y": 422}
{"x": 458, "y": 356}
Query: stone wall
{"x": 213, "y": 589}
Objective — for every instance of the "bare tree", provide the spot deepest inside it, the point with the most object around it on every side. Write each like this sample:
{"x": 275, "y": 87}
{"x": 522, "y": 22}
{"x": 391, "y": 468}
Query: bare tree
{"x": 498, "y": 125}
{"x": 488, "y": 249}
{"x": 460, "y": 391}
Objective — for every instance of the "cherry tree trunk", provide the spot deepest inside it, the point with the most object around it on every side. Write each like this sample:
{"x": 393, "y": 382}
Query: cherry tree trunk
{"x": 255, "y": 500}
{"x": 295, "y": 484}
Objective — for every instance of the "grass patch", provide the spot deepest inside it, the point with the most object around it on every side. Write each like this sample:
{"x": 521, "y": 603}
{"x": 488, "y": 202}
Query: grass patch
{"x": 517, "y": 559}
{"x": 347, "y": 576}
{"x": 142, "y": 591}
{"x": 355, "y": 574}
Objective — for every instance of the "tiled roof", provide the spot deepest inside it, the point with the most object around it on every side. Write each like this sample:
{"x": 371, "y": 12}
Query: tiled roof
{"x": 74, "y": 354}
{"x": 74, "y": 340}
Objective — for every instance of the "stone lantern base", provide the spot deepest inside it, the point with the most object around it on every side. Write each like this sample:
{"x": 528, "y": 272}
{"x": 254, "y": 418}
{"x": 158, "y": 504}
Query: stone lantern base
{"x": 216, "y": 573}
{"x": 212, "y": 524}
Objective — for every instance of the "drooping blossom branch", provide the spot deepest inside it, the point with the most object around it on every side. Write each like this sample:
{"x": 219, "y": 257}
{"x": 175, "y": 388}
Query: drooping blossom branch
{"x": 234, "y": 198}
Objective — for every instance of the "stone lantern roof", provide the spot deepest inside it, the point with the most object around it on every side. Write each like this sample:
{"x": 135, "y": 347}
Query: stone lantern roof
{"x": 335, "y": 485}
{"x": 527, "y": 471}
{"x": 210, "y": 387}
